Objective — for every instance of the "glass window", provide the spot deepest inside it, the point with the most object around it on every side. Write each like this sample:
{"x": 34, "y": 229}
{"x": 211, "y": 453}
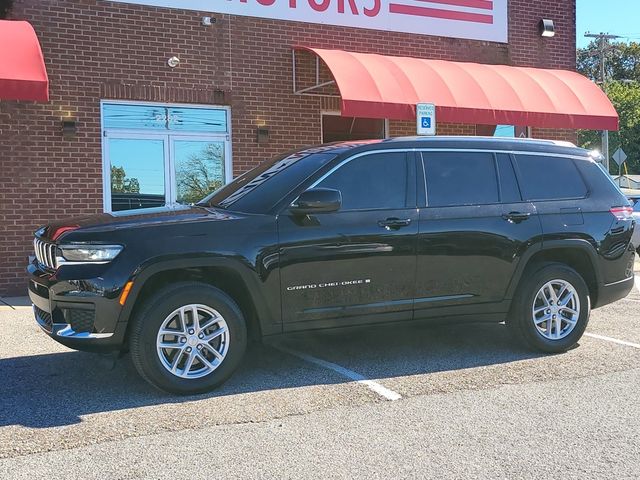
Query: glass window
{"x": 376, "y": 181}
{"x": 460, "y": 178}
{"x": 162, "y": 155}
{"x": 197, "y": 119}
{"x": 159, "y": 117}
{"x": 509, "y": 191}
{"x": 259, "y": 189}
{"x": 137, "y": 173}
{"x": 199, "y": 168}
{"x": 547, "y": 178}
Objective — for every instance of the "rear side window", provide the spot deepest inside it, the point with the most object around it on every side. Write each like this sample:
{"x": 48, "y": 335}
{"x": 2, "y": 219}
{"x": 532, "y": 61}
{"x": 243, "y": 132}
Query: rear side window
{"x": 376, "y": 181}
{"x": 509, "y": 191}
{"x": 549, "y": 178}
{"x": 460, "y": 178}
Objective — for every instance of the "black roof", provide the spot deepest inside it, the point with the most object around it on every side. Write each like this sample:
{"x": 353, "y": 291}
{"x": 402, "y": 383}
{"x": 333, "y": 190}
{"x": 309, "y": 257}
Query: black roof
{"x": 458, "y": 142}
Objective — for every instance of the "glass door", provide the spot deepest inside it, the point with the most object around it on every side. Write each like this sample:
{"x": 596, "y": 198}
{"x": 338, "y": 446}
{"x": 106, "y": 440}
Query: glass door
{"x": 136, "y": 167}
{"x": 201, "y": 165}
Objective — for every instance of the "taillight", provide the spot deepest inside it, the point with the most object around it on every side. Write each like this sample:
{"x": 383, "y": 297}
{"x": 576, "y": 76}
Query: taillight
{"x": 622, "y": 213}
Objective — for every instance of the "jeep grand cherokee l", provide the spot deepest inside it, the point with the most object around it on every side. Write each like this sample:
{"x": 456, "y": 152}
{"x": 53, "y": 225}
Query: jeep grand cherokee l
{"x": 533, "y": 233}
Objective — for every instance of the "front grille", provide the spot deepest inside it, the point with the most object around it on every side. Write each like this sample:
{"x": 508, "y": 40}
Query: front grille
{"x": 81, "y": 321}
{"x": 45, "y": 253}
{"x": 44, "y": 318}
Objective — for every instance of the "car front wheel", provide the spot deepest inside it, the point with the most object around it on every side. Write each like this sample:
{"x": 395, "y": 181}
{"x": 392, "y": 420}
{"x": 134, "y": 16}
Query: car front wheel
{"x": 188, "y": 338}
{"x": 551, "y": 309}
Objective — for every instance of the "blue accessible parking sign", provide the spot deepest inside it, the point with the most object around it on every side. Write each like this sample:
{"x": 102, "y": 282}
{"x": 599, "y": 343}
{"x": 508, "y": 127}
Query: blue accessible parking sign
{"x": 426, "y": 118}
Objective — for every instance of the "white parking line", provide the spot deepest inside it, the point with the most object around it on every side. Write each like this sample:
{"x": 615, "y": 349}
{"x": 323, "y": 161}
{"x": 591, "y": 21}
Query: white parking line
{"x": 614, "y": 340}
{"x": 345, "y": 372}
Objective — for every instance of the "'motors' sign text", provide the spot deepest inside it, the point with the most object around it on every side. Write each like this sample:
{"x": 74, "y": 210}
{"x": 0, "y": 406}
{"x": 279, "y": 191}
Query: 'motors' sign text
{"x": 474, "y": 19}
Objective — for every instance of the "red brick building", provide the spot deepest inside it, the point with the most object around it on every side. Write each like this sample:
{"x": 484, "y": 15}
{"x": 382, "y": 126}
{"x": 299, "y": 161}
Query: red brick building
{"x": 108, "y": 68}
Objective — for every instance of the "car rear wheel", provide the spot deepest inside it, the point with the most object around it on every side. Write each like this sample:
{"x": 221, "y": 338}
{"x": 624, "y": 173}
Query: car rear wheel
{"x": 551, "y": 309}
{"x": 188, "y": 338}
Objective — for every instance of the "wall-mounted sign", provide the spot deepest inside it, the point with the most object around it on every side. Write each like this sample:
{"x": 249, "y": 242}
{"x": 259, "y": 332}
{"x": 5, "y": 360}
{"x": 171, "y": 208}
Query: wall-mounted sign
{"x": 473, "y": 19}
{"x": 426, "y": 119}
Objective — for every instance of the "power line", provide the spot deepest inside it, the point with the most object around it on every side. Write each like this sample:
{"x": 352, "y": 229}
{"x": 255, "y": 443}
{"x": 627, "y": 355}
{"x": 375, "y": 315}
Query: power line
{"x": 604, "y": 47}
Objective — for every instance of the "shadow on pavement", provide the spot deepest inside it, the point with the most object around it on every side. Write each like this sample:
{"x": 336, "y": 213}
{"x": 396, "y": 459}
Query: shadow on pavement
{"x": 56, "y": 389}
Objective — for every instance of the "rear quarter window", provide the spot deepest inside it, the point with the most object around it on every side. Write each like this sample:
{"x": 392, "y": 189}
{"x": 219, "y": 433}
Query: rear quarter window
{"x": 549, "y": 178}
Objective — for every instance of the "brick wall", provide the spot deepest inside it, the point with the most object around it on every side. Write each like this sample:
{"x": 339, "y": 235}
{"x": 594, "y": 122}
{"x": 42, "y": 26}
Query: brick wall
{"x": 97, "y": 49}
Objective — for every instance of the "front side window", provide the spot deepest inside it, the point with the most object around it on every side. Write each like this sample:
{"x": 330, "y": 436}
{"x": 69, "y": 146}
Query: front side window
{"x": 460, "y": 178}
{"x": 549, "y": 178}
{"x": 162, "y": 155}
{"x": 376, "y": 181}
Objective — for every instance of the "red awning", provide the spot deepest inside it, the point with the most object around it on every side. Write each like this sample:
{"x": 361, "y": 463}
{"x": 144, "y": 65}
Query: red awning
{"x": 23, "y": 75}
{"x": 378, "y": 86}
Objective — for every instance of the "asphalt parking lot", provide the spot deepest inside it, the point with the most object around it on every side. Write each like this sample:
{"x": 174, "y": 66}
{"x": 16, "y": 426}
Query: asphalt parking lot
{"x": 457, "y": 401}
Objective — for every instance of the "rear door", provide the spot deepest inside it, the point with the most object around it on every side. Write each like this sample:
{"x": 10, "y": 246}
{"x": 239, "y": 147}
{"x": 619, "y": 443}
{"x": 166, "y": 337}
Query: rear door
{"x": 473, "y": 231}
{"x": 356, "y": 265}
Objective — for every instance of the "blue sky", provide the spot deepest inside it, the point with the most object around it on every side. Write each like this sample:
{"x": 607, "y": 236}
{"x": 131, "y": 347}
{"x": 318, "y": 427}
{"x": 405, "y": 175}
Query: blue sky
{"x": 619, "y": 17}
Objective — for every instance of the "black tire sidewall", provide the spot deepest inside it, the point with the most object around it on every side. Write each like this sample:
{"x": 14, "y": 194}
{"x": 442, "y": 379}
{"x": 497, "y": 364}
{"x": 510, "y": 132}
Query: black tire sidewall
{"x": 524, "y": 321}
{"x": 156, "y": 310}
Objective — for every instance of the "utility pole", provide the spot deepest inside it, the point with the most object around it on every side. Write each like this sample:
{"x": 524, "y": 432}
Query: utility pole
{"x": 603, "y": 49}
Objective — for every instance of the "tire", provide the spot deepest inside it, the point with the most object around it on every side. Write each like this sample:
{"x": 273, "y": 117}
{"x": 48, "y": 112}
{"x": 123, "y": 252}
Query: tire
{"x": 532, "y": 302}
{"x": 216, "y": 311}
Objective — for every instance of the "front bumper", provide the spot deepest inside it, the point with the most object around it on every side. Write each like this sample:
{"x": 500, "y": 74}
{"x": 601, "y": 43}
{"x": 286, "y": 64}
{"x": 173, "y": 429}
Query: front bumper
{"x": 79, "y": 319}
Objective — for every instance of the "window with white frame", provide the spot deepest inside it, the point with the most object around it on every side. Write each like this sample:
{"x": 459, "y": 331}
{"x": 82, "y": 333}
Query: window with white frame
{"x": 163, "y": 155}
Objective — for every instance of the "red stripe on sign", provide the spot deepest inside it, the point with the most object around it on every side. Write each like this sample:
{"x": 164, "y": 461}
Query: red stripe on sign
{"x": 437, "y": 13}
{"x": 484, "y": 4}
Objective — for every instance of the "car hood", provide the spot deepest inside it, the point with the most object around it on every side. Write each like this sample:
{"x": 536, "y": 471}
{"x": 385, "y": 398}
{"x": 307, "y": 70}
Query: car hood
{"x": 107, "y": 222}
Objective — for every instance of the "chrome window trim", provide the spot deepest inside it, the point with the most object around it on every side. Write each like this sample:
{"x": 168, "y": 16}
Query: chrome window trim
{"x": 421, "y": 150}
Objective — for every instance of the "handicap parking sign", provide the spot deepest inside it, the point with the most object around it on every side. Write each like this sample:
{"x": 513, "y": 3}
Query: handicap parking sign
{"x": 426, "y": 119}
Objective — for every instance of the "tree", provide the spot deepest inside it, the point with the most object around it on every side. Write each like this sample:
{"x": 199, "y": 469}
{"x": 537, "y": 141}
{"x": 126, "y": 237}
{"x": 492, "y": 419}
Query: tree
{"x": 200, "y": 174}
{"x": 121, "y": 184}
{"x": 622, "y": 71}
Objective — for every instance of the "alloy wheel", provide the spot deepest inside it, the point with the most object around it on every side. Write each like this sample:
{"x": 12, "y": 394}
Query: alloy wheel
{"x": 193, "y": 341}
{"x": 556, "y": 309}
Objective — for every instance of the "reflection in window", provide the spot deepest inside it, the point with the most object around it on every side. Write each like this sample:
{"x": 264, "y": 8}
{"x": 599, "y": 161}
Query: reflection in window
{"x": 199, "y": 169}
{"x": 376, "y": 181}
{"x": 137, "y": 173}
{"x": 460, "y": 178}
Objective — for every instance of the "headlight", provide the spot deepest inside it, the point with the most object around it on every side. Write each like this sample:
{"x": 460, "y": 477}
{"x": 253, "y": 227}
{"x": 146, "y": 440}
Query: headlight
{"x": 88, "y": 253}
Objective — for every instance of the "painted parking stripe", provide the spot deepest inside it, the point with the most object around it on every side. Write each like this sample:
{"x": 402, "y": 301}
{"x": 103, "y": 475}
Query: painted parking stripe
{"x": 345, "y": 372}
{"x": 614, "y": 340}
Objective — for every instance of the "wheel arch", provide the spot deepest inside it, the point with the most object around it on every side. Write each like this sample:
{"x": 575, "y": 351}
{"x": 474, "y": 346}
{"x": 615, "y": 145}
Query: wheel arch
{"x": 230, "y": 276}
{"x": 575, "y": 253}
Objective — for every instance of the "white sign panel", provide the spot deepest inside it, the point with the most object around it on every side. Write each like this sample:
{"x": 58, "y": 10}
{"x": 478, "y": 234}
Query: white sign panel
{"x": 426, "y": 119}
{"x": 473, "y": 19}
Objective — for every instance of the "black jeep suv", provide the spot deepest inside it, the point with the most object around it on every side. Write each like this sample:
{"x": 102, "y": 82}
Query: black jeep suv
{"x": 533, "y": 233}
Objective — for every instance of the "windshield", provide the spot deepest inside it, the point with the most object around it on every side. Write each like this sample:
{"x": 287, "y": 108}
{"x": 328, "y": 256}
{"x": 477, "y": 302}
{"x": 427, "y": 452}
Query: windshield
{"x": 258, "y": 190}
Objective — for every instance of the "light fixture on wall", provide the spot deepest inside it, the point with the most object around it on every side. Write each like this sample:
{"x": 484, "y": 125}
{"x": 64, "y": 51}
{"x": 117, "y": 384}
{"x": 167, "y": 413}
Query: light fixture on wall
{"x": 262, "y": 134}
{"x": 69, "y": 127}
{"x": 547, "y": 29}
{"x": 173, "y": 62}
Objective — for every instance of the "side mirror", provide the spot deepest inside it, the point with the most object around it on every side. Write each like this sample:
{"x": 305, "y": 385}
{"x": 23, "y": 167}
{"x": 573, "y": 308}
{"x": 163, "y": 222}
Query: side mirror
{"x": 317, "y": 200}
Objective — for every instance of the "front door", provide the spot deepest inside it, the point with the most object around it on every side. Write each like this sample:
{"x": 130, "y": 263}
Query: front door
{"x": 473, "y": 231}
{"x": 356, "y": 265}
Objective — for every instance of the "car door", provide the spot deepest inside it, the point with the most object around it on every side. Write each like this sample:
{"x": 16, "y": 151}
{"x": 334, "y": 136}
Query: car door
{"x": 472, "y": 232}
{"x": 355, "y": 265}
